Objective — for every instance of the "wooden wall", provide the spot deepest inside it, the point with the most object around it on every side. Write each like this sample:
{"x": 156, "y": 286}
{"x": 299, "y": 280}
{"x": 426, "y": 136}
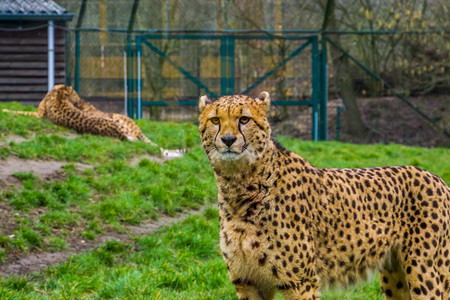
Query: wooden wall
{"x": 23, "y": 61}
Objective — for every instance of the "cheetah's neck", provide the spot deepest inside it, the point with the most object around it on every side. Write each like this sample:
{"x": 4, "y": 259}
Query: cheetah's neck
{"x": 250, "y": 184}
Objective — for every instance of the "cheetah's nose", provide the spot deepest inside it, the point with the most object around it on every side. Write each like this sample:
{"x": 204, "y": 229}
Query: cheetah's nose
{"x": 228, "y": 140}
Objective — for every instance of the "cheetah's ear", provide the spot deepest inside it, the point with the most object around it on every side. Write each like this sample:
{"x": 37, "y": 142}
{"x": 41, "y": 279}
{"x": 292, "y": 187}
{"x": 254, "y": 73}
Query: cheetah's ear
{"x": 264, "y": 100}
{"x": 203, "y": 102}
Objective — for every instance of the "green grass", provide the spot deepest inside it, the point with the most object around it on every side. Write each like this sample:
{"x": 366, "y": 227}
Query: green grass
{"x": 340, "y": 155}
{"x": 113, "y": 195}
{"x": 178, "y": 262}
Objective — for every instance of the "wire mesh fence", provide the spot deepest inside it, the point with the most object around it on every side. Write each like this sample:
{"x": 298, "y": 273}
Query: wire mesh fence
{"x": 407, "y": 44}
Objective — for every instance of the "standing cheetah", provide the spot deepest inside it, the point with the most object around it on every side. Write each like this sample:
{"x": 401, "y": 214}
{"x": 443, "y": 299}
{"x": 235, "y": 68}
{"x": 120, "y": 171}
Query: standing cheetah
{"x": 286, "y": 225}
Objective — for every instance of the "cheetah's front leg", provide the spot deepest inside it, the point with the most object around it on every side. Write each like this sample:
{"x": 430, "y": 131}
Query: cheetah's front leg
{"x": 246, "y": 289}
{"x": 304, "y": 291}
{"x": 249, "y": 292}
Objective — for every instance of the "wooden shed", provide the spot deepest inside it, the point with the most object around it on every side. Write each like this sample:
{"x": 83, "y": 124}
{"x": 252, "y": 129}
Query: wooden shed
{"x": 32, "y": 48}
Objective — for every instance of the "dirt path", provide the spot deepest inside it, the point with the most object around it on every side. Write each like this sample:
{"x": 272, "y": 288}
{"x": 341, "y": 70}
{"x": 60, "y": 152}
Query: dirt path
{"x": 13, "y": 138}
{"x": 46, "y": 170}
{"x": 38, "y": 261}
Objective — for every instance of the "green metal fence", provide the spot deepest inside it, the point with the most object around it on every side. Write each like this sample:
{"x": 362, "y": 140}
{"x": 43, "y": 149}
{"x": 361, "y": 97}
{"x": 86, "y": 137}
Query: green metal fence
{"x": 227, "y": 42}
{"x": 103, "y": 31}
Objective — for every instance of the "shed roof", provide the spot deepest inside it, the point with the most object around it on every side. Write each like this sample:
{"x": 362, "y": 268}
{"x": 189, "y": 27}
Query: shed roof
{"x": 38, "y": 10}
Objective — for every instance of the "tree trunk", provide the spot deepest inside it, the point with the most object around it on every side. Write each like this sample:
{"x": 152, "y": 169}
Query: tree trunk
{"x": 352, "y": 119}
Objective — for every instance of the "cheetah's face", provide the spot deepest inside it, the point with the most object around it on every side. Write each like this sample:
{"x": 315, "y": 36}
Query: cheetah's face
{"x": 234, "y": 129}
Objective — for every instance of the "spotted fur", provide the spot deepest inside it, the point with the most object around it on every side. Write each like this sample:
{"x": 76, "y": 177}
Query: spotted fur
{"x": 286, "y": 225}
{"x": 64, "y": 107}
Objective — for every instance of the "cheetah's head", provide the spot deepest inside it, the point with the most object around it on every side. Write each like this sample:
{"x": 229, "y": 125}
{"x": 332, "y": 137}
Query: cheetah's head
{"x": 234, "y": 130}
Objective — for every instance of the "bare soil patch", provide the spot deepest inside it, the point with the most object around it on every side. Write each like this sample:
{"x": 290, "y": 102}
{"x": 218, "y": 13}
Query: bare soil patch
{"x": 45, "y": 170}
{"x": 6, "y": 218}
{"x": 13, "y": 138}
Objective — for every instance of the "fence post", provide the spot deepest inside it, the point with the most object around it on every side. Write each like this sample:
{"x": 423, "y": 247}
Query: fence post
{"x": 323, "y": 118}
{"x": 130, "y": 60}
{"x": 77, "y": 61}
{"x": 130, "y": 78}
{"x": 77, "y": 45}
{"x": 315, "y": 88}
{"x": 338, "y": 123}
{"x": 139, "y": 79}
{"x": 51, "y": 55}
{"x": 125, "y": 83}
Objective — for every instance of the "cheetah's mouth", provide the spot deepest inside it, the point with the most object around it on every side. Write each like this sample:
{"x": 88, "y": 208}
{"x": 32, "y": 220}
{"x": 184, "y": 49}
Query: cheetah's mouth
{"x": 230, "y": 154}
{"x": 230, "y": 150}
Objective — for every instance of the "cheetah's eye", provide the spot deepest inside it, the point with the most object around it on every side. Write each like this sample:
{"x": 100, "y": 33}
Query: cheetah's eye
{"x": 215, "y": 120}
{"x": 244, "y": 120}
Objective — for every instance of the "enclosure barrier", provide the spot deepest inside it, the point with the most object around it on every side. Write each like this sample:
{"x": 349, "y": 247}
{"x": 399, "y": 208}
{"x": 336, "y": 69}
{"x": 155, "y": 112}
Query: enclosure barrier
{"x": 227, "y": 70}
{"x": 143, "y": 40}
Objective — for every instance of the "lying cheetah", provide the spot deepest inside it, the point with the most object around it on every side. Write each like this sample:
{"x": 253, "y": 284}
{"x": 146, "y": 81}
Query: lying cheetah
{"x": 286, "y": 225}
{"x": 64, "y": 107}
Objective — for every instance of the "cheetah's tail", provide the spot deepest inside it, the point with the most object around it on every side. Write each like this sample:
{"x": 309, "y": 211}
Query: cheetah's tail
{"x": 165, "y": 152}
{"x": 146, "y": 139}
{"x": 173, "y": 153}
{"x": 27, "y": 113}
